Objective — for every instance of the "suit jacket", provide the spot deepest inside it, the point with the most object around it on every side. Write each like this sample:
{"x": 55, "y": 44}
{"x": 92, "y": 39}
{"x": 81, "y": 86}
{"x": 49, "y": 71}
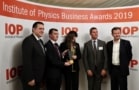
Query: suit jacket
{"x": 88, "y": 56}
{"x": 125, "y": 55}
{"x": 64, "y": 47}
{"x": 33, "y": 59}
{"x": 54, "y": 62}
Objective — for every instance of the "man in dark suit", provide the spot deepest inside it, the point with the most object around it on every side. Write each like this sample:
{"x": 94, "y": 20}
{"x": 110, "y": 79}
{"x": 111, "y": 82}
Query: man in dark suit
{"x": 54, "y": 62}
{"x": 95, "y": 60}
{"x": 33, "y": 56}
{"x": 119, "y": 56}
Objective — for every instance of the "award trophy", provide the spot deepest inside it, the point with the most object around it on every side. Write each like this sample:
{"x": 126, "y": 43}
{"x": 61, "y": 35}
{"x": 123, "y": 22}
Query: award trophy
{"x": 71, "y": 53}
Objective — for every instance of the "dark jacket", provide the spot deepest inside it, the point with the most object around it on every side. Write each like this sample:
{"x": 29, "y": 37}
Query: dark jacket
{"x": 75, "y": 66}
{"x": 33, "y": 60}
{"x": 125, "y": 55}
{"x": 54, "y": 63}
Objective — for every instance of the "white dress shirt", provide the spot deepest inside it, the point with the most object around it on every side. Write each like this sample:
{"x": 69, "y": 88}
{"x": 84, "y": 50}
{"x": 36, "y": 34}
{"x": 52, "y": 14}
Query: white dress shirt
{"x": 95, "y": 43}
{"x": 115, "y": 53}
{"x": 36, "y": 37}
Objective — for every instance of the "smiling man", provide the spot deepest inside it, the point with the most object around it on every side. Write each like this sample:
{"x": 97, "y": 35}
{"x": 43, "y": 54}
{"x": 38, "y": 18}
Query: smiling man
{"x": 33, "y": 56}
{"x": 119, "y": 56}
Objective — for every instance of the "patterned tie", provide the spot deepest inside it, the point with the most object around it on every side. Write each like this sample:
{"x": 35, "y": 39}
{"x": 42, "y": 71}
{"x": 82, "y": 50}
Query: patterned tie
{"x": 57, "y": 49}
{"x": 95, "y": 53}
{"x": 42, "y": 46}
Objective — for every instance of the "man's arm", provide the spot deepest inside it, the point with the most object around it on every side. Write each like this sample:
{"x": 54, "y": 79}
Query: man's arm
{"x": 27, "y": 60}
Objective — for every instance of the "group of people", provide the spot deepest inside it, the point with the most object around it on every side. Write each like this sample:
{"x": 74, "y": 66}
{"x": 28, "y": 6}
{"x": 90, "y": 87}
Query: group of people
{"x": 44, "y": 64}
{"x": 100, "y": 58}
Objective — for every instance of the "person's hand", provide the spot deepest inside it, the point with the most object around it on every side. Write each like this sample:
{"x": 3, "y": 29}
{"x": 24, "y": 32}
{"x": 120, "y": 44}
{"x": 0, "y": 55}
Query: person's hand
{"x": 71, "y": 61}
{"x": 64, "y": 52}
{"x": 74, "y": 57}
{"x": 89, "y": 73}
{"x": 31, "y": 83}
{"x": 103, "y": 72}
{"x": 67, "y": 63}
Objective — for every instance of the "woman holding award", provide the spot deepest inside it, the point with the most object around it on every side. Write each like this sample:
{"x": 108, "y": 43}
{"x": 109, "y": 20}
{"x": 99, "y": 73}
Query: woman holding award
{"x": 71, "y": 53}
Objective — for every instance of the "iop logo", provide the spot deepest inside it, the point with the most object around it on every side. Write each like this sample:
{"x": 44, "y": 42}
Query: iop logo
{"x": 66, "y": 30}
{"x": 12, "y": 73}
{"x": 133, "y": 64}
{"x": 13, "y": 30}
{"x": 130, "y": 31}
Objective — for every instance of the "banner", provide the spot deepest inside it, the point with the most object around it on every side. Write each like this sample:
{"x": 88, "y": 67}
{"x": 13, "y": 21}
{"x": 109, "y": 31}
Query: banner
{"x": 17, "y": 17}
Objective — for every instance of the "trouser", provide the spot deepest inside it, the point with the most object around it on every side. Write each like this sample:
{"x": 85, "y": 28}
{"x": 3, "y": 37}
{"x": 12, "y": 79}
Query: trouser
{"x": 94, "y": 82}
{"x": 118, "y": 81}
{"x": 71, "y": 80}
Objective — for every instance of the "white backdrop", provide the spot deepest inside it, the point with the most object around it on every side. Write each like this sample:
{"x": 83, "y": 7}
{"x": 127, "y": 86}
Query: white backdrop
{"x": 16, "y": 23}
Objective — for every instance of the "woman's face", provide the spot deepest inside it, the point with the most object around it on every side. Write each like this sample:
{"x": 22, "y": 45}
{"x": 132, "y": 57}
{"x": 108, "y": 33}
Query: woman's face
{"x": 74, "y": 39}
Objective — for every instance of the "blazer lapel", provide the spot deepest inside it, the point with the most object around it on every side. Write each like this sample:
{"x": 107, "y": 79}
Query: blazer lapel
{"x": 55, "y": 49}
{"x": 120, "y": 48}
{"x": 90, "y": 45}
{"x": 98, "y": 45}
{"x": 37, "y": 44}
{"x": 111, "y": 47}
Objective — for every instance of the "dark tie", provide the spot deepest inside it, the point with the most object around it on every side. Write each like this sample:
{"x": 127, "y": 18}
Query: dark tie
{"x": 57, "y": 49}
{"x": 95, "y": 46}
{"x": 95, "y": 53}
{"x": 42, "y": 46}
{"x": 56, "y": 44}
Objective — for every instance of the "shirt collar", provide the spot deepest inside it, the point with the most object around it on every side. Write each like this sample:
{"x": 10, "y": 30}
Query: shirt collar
{"x": 94, "y": 40}
{"x": 36, "y": 36}
{"x": 53, "y": 42}
{"x": 117, "y": 41}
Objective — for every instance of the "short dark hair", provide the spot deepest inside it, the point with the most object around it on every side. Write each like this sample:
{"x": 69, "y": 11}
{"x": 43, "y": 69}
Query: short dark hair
{"x": 51, "y": 30}
{"x": 115, "y": 28}
{"x": 36, "y": 23}
{"x": 92, "y": 28}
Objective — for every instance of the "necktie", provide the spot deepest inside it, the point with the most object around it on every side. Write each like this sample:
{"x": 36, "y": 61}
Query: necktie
{"x": 95, "y": 53}
{"x": 95, "y": 46}
{"x": 57, "y": 49}
{"x": 42, "y": 46}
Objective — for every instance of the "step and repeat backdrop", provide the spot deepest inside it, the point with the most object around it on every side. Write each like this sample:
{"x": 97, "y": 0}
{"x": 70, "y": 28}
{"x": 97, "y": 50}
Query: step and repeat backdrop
{"x": 17, "y": 17}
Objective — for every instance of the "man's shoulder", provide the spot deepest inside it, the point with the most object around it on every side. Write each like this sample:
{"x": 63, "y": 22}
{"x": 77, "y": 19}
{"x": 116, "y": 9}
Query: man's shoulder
{"x": 124, "y": 40}
{"x": 28, "y": 38}
{"x": 110, "y": 42}
{"x": 48, "y": 43}
{"x": 101, "y": 41}
{"x": 87, "y": 42}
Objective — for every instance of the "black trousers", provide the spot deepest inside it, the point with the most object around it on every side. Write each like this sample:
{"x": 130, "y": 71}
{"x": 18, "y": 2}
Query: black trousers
{"x": 118, "y": 81}
{"x": 71, "y": 80}
{"x": 53, "y": 83}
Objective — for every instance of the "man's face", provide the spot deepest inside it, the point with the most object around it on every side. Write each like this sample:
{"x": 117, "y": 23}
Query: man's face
{"x": 116, "y": 34}
{"x": 54, "y": 35}
{"x": 39, "y": 30}
{"x": 94, "y": 34}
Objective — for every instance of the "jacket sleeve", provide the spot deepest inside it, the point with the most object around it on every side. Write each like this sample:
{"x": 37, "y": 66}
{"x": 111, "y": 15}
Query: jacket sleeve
{"x": 105, "y": 56}
{"x": 52, "y": 58}
{"x": 85, "y": 61}
{"x": 129, "y": 52}
{"x": 27, "y": 60}
{"x": 78, "y": 53}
